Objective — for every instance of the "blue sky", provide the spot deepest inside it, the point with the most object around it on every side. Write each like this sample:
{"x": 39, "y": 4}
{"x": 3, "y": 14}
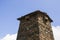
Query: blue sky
{"x": 10, "y": 10}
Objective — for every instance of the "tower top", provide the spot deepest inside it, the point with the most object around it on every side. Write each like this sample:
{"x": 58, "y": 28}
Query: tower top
{"x": 35, "y": 13}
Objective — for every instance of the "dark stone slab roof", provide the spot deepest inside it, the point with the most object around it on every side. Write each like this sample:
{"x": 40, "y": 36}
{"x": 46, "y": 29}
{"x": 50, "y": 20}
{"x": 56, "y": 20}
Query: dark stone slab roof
{"x": 36, "y": 12}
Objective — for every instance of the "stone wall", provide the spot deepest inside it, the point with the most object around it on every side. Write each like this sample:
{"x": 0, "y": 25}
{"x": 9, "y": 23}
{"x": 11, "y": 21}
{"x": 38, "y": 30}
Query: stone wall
{"x": 28, "y": 29}
{"x": 45, "y": 30}
{"x": 35, "y": 27}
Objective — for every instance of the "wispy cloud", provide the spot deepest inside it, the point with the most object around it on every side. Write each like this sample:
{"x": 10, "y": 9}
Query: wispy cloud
{"x": 56, "y": 32}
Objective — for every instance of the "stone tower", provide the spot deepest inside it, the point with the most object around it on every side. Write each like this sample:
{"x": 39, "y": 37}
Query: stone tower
{"x": 35, "y": 26}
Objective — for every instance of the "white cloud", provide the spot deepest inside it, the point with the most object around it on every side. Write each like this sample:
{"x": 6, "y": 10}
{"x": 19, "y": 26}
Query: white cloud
{"x": 56, "y": 32}
{"x": 9, "y": 37}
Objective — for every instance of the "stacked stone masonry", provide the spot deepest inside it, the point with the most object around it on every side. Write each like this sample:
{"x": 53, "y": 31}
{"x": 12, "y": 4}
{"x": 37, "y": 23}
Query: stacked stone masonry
{"x": 35, "y": 26}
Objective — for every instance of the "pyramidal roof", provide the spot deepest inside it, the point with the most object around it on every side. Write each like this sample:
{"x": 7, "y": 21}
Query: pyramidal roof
{"x": 36, "y": 12}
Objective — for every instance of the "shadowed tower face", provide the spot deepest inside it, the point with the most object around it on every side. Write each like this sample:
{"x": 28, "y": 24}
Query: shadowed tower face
{"x": 35, "y": 26}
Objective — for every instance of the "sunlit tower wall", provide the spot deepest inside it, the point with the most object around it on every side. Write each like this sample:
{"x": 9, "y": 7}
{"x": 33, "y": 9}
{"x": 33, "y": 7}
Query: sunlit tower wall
{"x": 35, "y": 26}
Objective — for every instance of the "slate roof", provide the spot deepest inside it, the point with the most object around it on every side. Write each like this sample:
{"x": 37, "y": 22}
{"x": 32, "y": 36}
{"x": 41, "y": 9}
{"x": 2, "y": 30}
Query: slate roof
{"x": 36, "y": 12}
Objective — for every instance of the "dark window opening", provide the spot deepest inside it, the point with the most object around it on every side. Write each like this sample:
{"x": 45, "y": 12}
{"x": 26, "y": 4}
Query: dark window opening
{"x": 44, "y": 20}
{"x": 27, "y": 19}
